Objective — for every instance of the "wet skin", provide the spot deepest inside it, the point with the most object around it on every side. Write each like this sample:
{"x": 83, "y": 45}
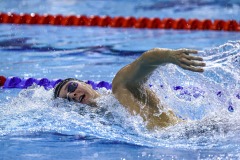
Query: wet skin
{"x": 128, "y": 85}
{"x": 83, "y": 94}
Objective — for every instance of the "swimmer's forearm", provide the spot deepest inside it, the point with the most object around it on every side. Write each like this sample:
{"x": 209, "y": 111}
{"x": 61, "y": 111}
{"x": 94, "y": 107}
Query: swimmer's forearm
{"x": 181, "y": 57}
{"x": 142, "y": 68}
{"x": 155, "y": 57}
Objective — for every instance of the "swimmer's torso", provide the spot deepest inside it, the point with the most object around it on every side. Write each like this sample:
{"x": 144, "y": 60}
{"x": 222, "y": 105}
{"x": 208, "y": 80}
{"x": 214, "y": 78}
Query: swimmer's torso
{"x": 144, "y": 102}
{"x": 128, "y": 84}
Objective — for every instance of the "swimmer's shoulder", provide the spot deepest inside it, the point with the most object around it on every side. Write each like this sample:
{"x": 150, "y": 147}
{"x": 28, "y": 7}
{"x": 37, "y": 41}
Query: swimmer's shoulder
{"x": 120, "y": 80}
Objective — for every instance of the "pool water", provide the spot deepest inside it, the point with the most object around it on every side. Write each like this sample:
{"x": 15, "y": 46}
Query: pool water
{"x": 33, "y": 126}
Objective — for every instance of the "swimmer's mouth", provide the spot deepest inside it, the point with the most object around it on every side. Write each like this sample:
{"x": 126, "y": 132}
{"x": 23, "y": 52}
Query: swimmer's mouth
{"x": 81, "y": 98}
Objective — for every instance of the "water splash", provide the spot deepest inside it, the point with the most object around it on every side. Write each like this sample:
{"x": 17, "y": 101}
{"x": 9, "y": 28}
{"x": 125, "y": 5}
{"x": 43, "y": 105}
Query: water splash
{"x": 203, "y": 100}
{"x": 208, "y": 101}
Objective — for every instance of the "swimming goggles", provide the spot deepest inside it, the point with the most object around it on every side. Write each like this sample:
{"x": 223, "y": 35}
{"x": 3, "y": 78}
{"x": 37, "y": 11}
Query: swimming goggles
{"x": 71, "y": 87}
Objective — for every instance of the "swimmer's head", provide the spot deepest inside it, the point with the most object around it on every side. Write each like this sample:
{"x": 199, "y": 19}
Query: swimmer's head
{"x": 77, "y": 91}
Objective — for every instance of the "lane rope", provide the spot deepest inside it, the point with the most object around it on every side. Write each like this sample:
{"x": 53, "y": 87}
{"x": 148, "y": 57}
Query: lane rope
{"x": 23, "y": 83}
{"x": 119, "y": 21}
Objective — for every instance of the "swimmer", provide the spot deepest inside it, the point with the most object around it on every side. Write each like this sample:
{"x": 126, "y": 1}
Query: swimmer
{"x": 128, "y": 86}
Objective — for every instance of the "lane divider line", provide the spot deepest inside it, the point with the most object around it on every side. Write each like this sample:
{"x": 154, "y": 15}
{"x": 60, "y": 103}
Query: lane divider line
{"x": 120, "y": 22}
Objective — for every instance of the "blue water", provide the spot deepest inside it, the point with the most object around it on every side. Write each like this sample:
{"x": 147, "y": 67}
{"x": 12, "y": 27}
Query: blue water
{"x": 32, "y": 127}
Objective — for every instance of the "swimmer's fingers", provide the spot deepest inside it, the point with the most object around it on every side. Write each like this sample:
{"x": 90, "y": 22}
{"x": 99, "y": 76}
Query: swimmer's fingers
{"x": 182, "y": 56}
{"x": 191, "y": 62}
{"x": 191, "y": 68}
{"x": 193, "y": 58}
{"x": 188, "y": 51}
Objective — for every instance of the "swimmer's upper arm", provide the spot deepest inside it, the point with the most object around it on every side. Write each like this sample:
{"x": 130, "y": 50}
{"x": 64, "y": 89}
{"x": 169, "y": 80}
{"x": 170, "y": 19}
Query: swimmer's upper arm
{"x": 125, "y": 78}
{"x": 137, "y": 72}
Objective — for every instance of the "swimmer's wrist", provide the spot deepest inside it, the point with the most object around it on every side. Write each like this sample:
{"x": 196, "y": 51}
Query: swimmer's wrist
{"x": 169, "y": 58}
{"x": 157, "y": 56}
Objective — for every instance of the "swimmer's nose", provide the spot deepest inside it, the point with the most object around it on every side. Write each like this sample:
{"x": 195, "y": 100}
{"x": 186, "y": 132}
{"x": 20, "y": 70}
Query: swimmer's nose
{"x": 76, "y": 96}
{"x": 73, "y": 96}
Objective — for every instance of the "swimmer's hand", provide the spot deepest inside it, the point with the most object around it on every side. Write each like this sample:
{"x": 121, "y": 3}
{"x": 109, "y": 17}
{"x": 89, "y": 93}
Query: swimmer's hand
{"x": 183, "y": 59}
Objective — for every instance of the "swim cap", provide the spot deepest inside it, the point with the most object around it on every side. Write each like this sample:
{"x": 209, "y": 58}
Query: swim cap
{"x": 59, "y": 86}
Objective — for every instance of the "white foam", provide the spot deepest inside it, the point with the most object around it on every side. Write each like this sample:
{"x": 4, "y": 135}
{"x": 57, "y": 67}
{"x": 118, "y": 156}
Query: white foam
{"x": 206, "y": 111}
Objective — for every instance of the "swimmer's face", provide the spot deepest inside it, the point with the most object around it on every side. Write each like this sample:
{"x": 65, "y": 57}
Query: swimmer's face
{"x": 79, "y": 92}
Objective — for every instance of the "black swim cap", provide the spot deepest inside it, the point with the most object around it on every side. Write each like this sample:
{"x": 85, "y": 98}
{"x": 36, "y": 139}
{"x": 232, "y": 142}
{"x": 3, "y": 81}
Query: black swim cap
{"x": 59, "y": 86}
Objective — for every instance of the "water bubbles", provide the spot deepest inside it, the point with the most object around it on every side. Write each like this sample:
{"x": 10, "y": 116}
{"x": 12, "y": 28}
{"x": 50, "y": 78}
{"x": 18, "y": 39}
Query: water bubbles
{"x": 188, "y": 93}
{"x": 7, "y": 98}
{"x": 236, "y": 62}
{"x": 178, "y": 88}
{"x": 219, "y": 94}
{"x": 95, "y": 155}
{"x": 238, "y": 96}
{"x": 144, "y": 154}
{"x": 230, "y": 108}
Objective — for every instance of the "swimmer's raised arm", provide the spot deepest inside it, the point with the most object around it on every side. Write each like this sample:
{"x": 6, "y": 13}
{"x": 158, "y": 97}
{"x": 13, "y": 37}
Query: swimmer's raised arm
{"x": 140, "y": 69}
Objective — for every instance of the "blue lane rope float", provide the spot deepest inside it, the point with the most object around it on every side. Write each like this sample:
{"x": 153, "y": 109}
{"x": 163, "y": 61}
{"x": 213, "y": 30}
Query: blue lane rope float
{"x": 16, "y": 82}
{"x": 23, "y": 83}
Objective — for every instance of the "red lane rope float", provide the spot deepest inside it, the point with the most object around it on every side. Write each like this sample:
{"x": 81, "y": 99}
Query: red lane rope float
{"x": 2, "y": 80}
{"x": 124, "y": 22}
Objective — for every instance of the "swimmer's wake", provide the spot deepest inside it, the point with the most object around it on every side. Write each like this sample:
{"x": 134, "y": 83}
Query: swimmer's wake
{"x": 207, "y": 116}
